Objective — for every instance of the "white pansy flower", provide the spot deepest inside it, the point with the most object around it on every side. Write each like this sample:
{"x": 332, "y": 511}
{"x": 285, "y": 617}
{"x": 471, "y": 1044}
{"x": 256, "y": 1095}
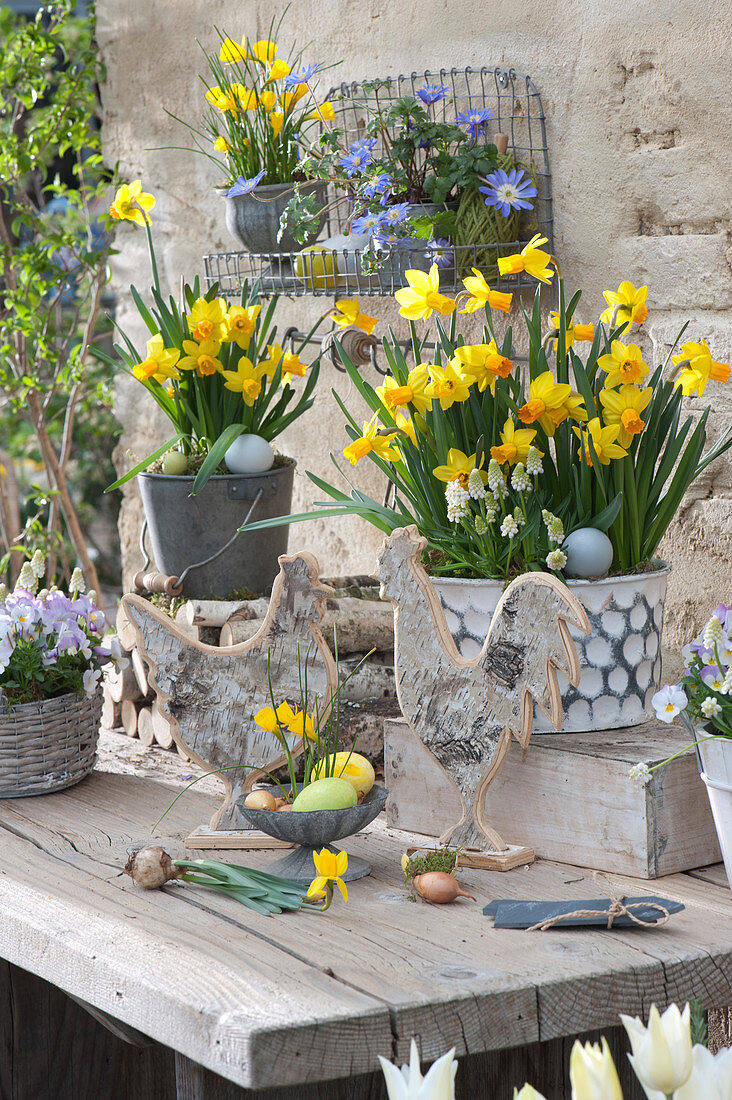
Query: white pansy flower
{"x": 669, "y": 701}
{"x": 91, "y": 679}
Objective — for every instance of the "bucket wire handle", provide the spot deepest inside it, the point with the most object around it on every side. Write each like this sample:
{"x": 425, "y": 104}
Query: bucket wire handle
{"x": 173, "y": 586}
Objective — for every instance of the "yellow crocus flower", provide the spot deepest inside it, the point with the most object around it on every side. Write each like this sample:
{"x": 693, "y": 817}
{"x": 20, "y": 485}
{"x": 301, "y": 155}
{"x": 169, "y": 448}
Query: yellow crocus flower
{"x": 421, "y": 298}
{"x": 480, "y": 295}
{"x": 485, "y": 363}
{"x": 201, "y": 357}
{"x": 372, "y": 442}
{"x": 698, "y": 368}
{"x": 414, "y": 392}
{"x": 206, "y": 320}
{"x": 624, "y": 365}
{"x": 349, "y": 313}
{"x": 625, "y": 306}
{"x": 325, "y": 112}
{"x": 515, "y": 443}
{"x": 545, "y": 397}
{"x": 159, "y": 363}
{"x": 132, "y": 204}
{"x": 449, "y": 384}
{"x": 231, "y": 51}
{"x": 246, "y": 380}
{"x": 574, "y": 332}
{"x": 603, "y": 441}
{"x": 330, "y": 867}
{"x": 623, "y": 407}
{"x": 530, "y": 259}
{"x": 459, "y": 467}
{"x": 239, "y": 325}
{"x": 263, "y": 51}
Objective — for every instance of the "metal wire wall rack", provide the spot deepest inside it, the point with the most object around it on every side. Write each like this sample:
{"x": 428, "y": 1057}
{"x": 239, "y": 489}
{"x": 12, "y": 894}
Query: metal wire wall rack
{"x": 517, "y": 111}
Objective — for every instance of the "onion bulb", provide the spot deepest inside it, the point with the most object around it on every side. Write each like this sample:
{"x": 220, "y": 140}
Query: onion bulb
{"x": 439, "y": 887}
{"x": 151, "y": 867}
{"x": 260, "y": 800}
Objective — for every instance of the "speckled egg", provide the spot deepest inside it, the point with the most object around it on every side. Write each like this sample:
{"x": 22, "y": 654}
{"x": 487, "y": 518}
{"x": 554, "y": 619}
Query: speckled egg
{"x": 589, "y": 553}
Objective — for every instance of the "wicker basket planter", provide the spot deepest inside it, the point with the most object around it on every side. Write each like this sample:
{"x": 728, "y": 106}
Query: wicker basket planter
{"x": 49, "y": 745}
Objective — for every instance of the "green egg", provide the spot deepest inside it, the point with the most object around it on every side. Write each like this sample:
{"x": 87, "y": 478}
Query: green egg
{"x": 326, "y": 794}
{"x": 175, "y": 463}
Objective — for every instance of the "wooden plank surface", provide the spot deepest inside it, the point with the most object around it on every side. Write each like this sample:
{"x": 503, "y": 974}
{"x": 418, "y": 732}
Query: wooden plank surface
{"x": 303, "y": 997}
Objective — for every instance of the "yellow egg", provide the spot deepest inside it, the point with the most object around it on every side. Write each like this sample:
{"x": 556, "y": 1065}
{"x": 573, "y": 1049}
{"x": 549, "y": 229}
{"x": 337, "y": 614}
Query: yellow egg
{"x": 317, "y": 266}
{"x": 260, "y": 800}
{"x": 351, "y": 766}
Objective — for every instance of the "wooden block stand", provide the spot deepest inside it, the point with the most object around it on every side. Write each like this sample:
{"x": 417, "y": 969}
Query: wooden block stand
{"x": 571, "y": 799}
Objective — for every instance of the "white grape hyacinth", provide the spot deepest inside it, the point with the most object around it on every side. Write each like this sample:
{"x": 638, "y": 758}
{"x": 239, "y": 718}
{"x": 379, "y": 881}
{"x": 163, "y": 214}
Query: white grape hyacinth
{"x": 458, "y": 500}
{"x": 509, "y": 527}
{"x": 710, "y": 708}
{"x": 476, "y": 488}
{"x": 556, "y": 559}
{"x": 520, "y": 480}
{"x": 534, "y": 464}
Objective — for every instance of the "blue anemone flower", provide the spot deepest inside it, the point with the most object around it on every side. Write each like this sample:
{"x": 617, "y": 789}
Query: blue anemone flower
{"x": 368, "y": 223}
{"x": 395, "y": 215}
{"x": 358, "y": 156}
{"x": 476, "y": 119}
{"x": 439, "y": 251}
{"x": 431, "y": 93}
{"x": 244, "y": 187}
{"x": 308, "y": 72}
{"x": 508, "y": 191}
{"x": 378, "y": 185}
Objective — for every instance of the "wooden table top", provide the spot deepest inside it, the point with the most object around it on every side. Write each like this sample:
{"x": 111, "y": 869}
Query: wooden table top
{"x": 304, "y": 996}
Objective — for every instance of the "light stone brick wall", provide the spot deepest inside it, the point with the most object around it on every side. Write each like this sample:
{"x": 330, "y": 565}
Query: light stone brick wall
{"x": 638, "y": 121}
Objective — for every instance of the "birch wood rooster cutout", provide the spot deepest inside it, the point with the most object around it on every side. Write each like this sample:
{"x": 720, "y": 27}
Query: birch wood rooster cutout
{"x": 466, "y": 711}
{"x": 212, "y": 693}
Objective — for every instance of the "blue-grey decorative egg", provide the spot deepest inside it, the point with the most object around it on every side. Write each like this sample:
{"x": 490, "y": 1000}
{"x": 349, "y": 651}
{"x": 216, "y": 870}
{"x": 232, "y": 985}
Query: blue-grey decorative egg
{"x": 249, "y": 454}
{"x": 589, "y": 553}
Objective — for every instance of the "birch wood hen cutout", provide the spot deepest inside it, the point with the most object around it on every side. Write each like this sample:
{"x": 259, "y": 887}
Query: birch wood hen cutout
{"x": 465, "y": 711}
{"x": 212, "y": 693}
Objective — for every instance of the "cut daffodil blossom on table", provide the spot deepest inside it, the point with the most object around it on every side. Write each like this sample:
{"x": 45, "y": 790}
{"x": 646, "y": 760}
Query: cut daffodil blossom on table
{"x": 330, "y": 867}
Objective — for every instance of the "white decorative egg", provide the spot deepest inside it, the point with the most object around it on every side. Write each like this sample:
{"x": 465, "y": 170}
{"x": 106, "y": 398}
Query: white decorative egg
{"x": 589, "y": 553}
{"x": 249, "y": 454}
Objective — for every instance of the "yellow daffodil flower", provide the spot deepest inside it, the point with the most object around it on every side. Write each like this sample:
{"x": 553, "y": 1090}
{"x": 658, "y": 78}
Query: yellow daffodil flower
{"x": 324, "y": 111}
{"x": 289, "y": 99}
{"x": 330, "y": 867}
{"x": 515, "y": 444}
{"x": 625, "y": 306}
{"x": 276, "y": 121}
{"x": 207, "y": 320}
{"x": 273, "y": 360}
{"x": 277, "y": 70}
{"x": 268, "y": 98}
{"x": 132, "y": 204}
{"x": 264, "y": 52}
{"x": 292, "y": 364}
{"x": 275, "y": 721}
{"x": 530, "y": 259}
{"x": 449, "y": 384}
{"x": 482, "y": 295}
{"x": 239, "y": 325}
{"x": 349, "y": 313}
{"x": 302, "y": 724}
{"x": 545, "y": 396}
{"x": 201, "y": 357}
{"x": 603, "y": 441}
{"x": 234, "y": 98}
{"x": 573, "y": 408}
{"x": 246, "y": 380}
{"x": 623, "y": 407}
{"x": 422, "y": 297}
{"x": 485, "y": 363}
{"x": 221, "y": 145}
{"x": 406, "y": 425}
{"x": 372, "y": 442}
{"x": 231, "y": 51}
{"x": 574, "y": 332}
{"x": 459, "y": 467}
{"x": 159, "y": 364}
{"x": 698, "y": 368}
{"x": 413, "y": 392}
{"x": 624, "y": 365}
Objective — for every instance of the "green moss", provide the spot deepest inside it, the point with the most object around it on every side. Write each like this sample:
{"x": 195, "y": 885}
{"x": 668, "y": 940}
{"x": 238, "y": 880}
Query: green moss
{"x": 444, "y": 859}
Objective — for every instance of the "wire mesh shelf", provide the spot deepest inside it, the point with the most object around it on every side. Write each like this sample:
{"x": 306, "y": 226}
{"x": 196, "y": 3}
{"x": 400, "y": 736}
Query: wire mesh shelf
{"x": 517, "y": 111}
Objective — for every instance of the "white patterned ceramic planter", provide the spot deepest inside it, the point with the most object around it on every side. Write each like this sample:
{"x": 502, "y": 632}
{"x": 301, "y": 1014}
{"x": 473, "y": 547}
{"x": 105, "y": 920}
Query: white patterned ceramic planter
{"x": 620, "y": 659}
{"x": 716, "y": 760}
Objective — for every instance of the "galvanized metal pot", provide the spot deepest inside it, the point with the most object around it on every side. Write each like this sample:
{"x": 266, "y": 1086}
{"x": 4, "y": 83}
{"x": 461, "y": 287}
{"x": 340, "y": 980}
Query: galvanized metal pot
{"x": 185, "y": 529}
{"x": 254, "y": 220}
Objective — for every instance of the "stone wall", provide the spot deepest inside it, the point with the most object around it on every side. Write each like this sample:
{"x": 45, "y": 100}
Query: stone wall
{"x": 638, "y": 126}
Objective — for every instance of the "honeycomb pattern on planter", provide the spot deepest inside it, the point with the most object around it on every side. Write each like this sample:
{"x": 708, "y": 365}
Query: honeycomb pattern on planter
{"x": 620, "y": 660}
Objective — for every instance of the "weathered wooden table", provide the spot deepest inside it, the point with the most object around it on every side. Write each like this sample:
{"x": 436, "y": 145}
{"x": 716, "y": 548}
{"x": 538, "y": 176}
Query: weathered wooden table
{"x": 229, "y": 1001}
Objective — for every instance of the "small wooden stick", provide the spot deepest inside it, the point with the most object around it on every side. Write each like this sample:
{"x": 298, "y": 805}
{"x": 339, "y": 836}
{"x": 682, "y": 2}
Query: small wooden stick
{"x": 145, "y": 728}
{"x": 128, "y": 713}
{"x": 158, "y": 583}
